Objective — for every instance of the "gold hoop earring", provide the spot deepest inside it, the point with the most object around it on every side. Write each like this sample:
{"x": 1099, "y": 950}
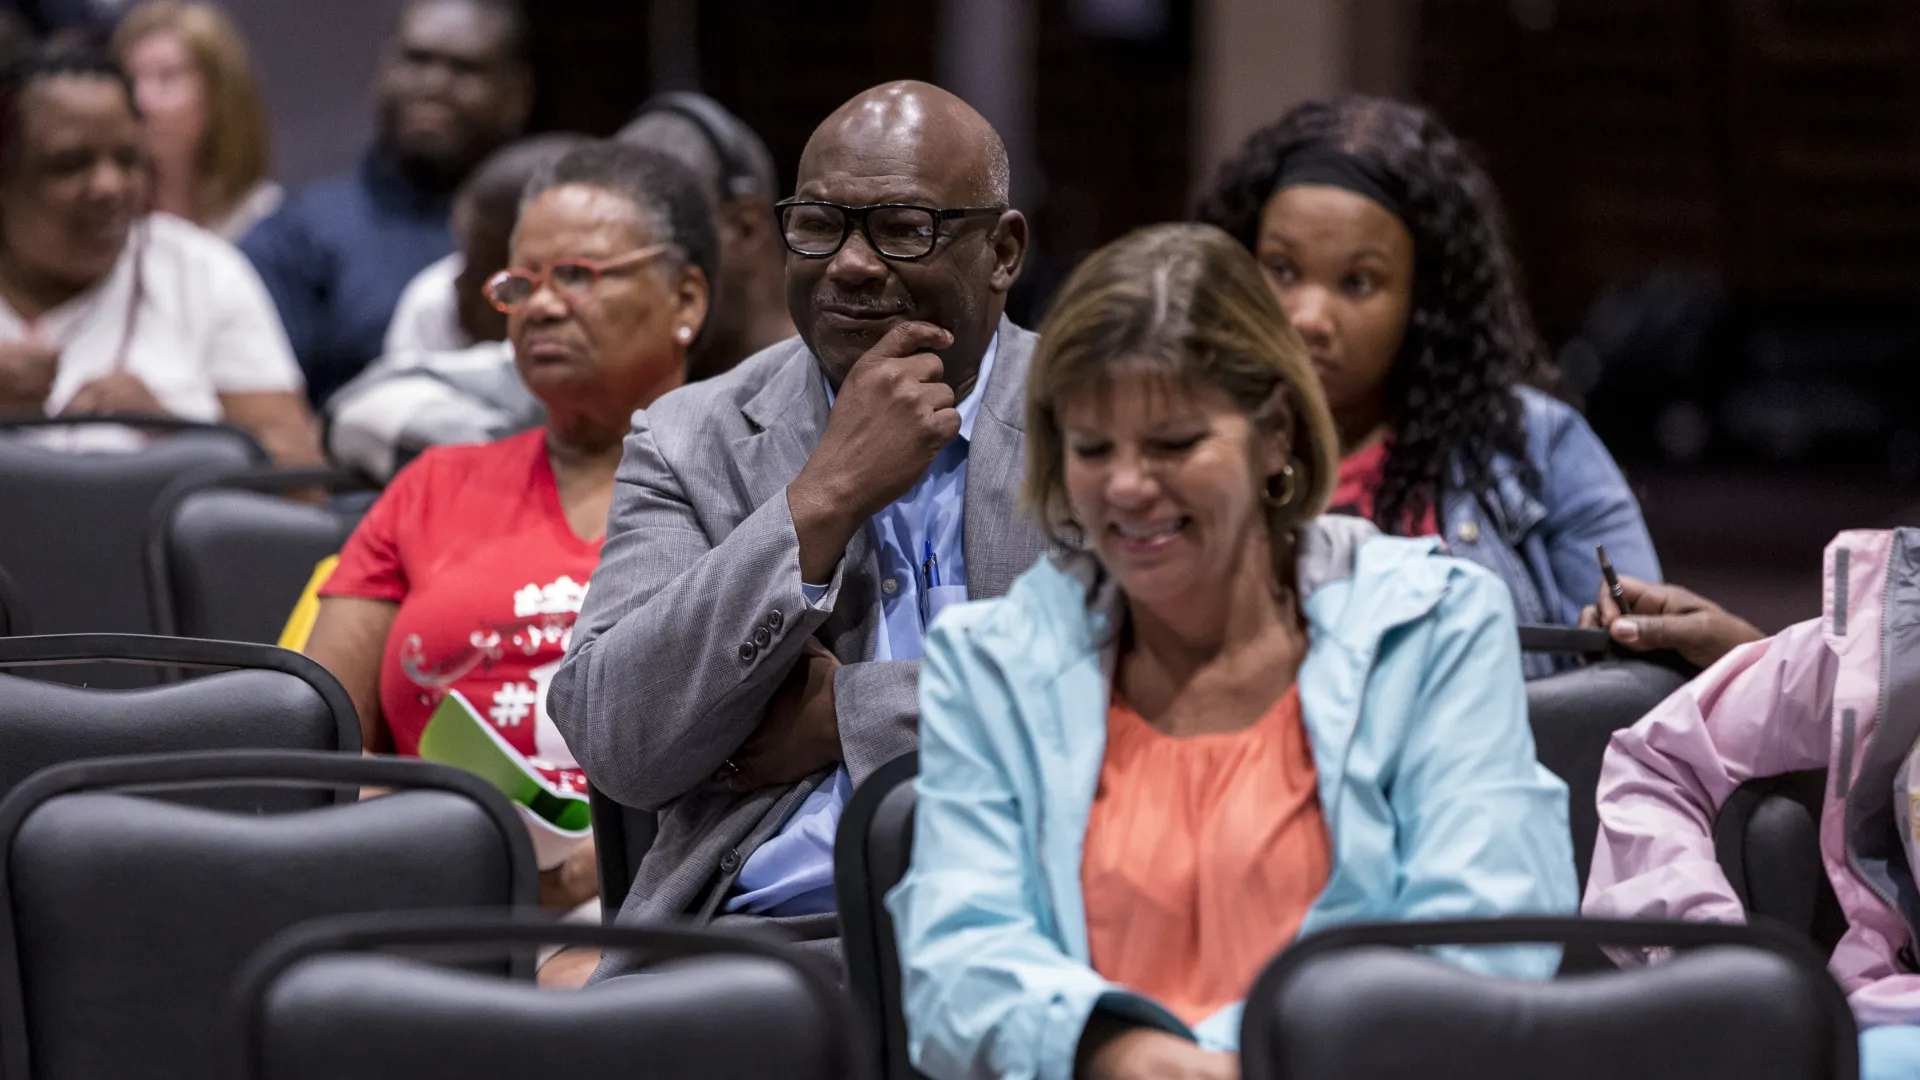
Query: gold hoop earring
{"x": 1289, "y": 487}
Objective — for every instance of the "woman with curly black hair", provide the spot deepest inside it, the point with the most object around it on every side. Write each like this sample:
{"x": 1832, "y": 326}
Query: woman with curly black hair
{"x": 1383, "y": 243}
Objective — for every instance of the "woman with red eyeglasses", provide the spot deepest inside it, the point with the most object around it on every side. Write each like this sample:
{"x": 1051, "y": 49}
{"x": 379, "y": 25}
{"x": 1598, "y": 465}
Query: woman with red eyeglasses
{"x": 467, "y": 574}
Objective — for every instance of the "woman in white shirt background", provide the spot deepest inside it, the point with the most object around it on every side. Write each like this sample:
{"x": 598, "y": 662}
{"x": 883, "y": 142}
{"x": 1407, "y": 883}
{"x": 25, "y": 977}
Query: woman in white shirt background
{"x": 206, "y": 130}
{"x": 105, "y": 308}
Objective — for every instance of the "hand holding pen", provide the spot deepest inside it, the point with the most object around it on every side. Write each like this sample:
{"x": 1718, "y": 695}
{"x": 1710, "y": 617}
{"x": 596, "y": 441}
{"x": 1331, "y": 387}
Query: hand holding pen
{"x": 1645, "y": 617}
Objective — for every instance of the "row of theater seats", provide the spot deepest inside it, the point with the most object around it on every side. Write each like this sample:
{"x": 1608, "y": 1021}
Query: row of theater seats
{"x": 188, "y": 537}
{"x": 233, "y": 907}
{"x": 161, "y": 904}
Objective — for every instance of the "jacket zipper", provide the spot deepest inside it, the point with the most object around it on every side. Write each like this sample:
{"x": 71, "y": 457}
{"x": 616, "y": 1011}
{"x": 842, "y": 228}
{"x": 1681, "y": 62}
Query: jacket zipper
{"x": 1886, "y": 661}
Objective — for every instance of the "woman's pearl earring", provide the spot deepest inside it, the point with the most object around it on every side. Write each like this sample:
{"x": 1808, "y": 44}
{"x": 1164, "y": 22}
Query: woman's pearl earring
{"x": 685, "y": 335}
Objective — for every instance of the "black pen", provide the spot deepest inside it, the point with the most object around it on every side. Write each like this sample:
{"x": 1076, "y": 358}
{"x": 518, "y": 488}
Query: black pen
{"x": 1613, "y": 581}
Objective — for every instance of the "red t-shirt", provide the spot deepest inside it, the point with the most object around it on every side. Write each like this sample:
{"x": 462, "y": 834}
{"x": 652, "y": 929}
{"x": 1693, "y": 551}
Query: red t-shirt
{"x": 472, "y": 543}
{"x": 1358, "y": 482}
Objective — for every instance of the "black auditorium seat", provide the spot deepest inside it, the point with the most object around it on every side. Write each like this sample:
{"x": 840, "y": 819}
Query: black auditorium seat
{"x": 124, "y": 919}
{"x": 14, "y": 619}
{"x": 1573, "y": 715}
{"x": 264, "y": 699}
{"x": 75, "y": 533}
{"x": 1735, "y": 1003}
{"x": 374, "y": 998}
{"x": 870, "y": 854}
{"x": 621, "y": 837}
{"x": 227, "y": 556}
{"x": 1767, "y": 840}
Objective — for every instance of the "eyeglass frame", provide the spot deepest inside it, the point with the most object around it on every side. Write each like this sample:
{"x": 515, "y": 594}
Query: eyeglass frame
{"x": 544, "y": 278}
{"x": 849, "y": 215}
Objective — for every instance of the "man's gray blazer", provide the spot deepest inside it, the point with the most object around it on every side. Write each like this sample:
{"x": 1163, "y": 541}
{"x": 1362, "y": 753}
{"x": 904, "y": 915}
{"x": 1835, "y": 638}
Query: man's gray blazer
{"x": 695, "y": 614}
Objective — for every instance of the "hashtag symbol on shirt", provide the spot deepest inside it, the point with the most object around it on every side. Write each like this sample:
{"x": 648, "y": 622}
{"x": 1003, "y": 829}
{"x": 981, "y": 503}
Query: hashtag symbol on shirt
{"x": 512, "y": 703}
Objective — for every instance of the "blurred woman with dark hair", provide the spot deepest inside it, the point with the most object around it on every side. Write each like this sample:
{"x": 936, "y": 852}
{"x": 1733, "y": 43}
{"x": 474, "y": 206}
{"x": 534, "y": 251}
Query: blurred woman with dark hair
{"x": 206, "y": 129}
{"x": 1384, "y": 243}
{"x": 105, "y": 308}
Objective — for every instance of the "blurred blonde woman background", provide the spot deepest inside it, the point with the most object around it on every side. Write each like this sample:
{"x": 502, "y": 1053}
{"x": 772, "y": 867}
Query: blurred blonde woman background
{"x": 205, "y": 127}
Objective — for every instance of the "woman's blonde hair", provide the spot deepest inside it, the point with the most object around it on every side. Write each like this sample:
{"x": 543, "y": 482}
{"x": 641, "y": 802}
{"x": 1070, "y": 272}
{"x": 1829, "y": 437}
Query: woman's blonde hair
{"x": 1186, "y": 301}
{"x": 237, "y": 150}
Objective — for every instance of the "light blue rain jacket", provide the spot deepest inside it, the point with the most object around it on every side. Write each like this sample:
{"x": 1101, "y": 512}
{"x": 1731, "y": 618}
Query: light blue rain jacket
{"x": 1415, "y": 708}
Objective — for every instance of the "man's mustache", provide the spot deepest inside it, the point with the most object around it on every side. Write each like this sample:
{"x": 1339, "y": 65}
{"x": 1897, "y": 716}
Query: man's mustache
{"x": 860, "y": 307}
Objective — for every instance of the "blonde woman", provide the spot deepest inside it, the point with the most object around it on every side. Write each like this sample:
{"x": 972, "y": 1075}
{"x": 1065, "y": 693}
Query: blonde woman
{"x": 1130, "y": 764}
{"x": 206, "y": 131}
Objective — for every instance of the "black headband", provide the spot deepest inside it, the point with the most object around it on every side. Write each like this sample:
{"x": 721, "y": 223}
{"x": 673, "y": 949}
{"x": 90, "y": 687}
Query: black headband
{"x": 1324, "y": 164}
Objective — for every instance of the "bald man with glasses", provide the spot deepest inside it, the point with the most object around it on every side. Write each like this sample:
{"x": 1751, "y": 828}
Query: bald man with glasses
{"x": 782, "y": 535}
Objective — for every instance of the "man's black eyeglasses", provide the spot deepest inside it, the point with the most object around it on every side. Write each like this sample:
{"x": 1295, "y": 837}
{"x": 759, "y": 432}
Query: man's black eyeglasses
{"x": 815, "y": 230}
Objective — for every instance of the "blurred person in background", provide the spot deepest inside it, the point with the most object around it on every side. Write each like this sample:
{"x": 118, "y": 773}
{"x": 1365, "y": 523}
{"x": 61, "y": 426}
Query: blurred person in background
{"x": 1246, "y": 721}
{"x": 750, "y": 299}
{"x": 1385, "y": 246}
{"x": 106, "y": 308}
{"x": 444, "y": 307}
{"x": 469, "y": 571}
{"x": 454, "y": 86}
{"x": 448, "y": 375}
{"x": 207, "y": 133}
{"x": 16, "y": 37}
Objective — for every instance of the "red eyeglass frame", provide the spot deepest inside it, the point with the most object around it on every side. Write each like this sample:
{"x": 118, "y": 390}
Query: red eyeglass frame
{"x": 542, "y": 279}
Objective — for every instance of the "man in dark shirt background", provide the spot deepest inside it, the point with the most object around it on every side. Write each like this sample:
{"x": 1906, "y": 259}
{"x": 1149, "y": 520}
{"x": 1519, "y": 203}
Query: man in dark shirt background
{"x": 454, "y": 86}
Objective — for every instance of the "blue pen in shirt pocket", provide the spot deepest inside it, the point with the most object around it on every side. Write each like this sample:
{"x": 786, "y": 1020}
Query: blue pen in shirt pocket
{"x": 929, "y": 581}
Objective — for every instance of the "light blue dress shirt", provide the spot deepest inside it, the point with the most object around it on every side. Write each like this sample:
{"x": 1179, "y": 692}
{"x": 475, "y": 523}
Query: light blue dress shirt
{"x": 792, "y": 873}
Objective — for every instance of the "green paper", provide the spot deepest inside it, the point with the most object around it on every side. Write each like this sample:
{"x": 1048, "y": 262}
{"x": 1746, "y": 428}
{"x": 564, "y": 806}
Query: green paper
{"x": 457, "y": 735}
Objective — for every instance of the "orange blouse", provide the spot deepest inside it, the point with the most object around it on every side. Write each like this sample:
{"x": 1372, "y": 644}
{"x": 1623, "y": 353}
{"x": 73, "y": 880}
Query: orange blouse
{"x": 1202, "y": 856}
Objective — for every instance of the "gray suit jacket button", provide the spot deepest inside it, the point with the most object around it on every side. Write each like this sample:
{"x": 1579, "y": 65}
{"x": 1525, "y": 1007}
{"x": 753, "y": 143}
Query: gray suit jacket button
{"x": 730, "y": 861}
{"x": 762, "y": 637}
{"x": 748, "y": 652}
{"x": 775, "y": 620}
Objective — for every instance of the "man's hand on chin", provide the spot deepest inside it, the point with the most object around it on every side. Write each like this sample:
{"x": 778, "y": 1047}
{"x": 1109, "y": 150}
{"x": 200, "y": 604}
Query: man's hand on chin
{"x": 800, "y": 734}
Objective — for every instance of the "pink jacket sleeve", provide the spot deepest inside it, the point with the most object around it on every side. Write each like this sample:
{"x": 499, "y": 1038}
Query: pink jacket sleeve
{"x": 1761, "y": 711}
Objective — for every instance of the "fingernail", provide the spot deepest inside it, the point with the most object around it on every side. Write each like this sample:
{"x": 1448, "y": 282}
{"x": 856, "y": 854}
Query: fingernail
{"x": 1626, "y": 630}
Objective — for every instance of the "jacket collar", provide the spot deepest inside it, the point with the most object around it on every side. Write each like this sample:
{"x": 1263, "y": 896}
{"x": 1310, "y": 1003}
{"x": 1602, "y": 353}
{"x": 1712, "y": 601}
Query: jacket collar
{"x": 1334, "y": 549}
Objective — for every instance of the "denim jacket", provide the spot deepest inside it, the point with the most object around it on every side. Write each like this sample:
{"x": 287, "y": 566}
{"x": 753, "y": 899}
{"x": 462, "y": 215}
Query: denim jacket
{"x": 1415, "y": 713}
{"x": 1542, "y": 545}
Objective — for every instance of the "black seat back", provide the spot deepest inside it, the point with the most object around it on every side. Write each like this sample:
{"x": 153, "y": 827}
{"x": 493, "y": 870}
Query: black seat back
{"x": 270, "y": 699}
{"x": 871, "y": 853}
{"x": 227, "y": 556}
{"x": 75, "y": 535}
{"x": 124, "y": 919}
{"x": 621, "y": 837}
{"x": 1767, "y": 840}
{"x": 1743, "y": 1003}
{"x": 332, "y": 999}
{"x": 14, "y": 618}
{"x": 1574, "y": 715}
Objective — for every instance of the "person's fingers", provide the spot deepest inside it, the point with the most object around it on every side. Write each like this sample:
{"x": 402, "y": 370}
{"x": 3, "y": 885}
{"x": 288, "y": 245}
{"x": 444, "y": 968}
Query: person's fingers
{"x": 1645, "y": 633}
{"x": 1604, "y": 609}
{"x": 1646, "y": 597}
{"x": 84, "y": 400}
{"x": 908, "y": 338}
{"x": 1589, "y": 617}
